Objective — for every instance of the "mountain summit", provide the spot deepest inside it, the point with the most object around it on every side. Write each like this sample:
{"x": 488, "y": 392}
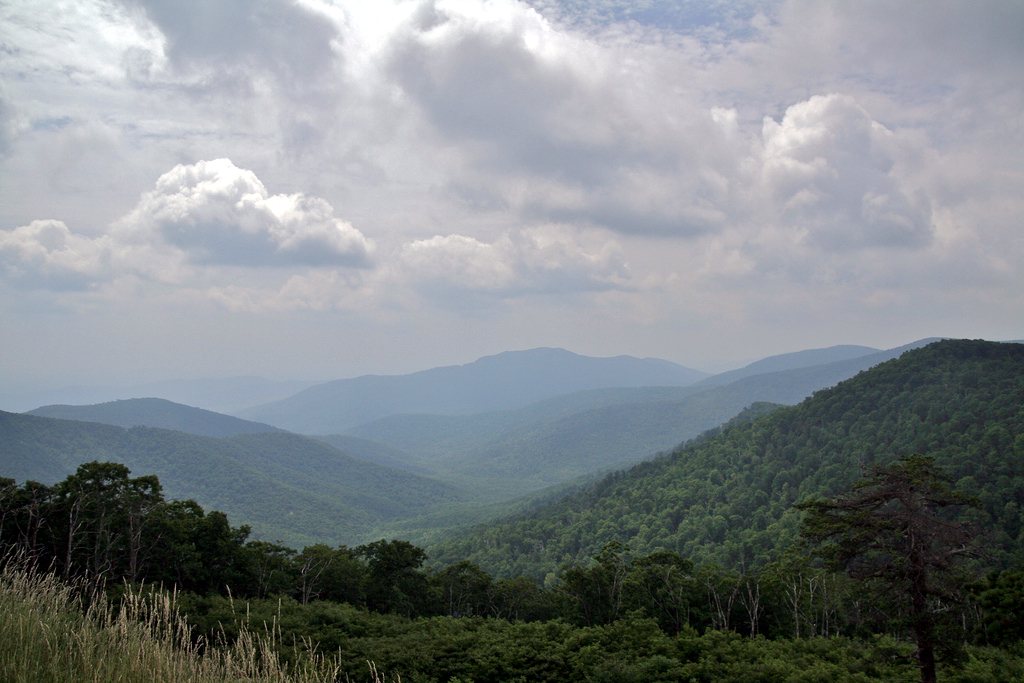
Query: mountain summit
{"x": 505, "y": 380}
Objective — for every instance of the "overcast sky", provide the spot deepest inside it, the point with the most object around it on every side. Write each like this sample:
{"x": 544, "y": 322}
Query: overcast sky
{"x": 319, "y": 189}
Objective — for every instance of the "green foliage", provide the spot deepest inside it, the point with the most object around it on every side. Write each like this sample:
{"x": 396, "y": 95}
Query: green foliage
{"x": 395, "y": 582}
{"x": 620, "y": 617}
{"x": 1001, "y": 598}
{"x": 286, "y": 487}
{"x": 633, "y": 648}
{"x": 465, "y": 589}
{"x": 729, "y": 498}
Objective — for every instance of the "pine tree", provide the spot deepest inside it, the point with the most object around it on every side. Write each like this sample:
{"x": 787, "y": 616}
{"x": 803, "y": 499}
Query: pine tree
{"x": 895, "y": 526}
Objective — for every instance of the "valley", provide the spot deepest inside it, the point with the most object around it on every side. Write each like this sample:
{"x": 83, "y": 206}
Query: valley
{"x": 566, "y": 419}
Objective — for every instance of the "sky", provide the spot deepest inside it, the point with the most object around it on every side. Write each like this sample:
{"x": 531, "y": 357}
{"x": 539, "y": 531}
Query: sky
{"x": 318, "y": 189}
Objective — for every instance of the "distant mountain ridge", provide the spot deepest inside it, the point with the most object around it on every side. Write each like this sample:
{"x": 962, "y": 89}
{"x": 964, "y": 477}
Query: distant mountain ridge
{"x": 792, "y": 361}
{"x": 156, "y": 412}
{"x": 506, "y": 380}
{"x": 222, "y": 395}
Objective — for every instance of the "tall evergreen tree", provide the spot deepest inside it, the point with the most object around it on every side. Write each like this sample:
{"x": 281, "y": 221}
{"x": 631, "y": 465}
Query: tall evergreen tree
{"x": 894, "y": 526}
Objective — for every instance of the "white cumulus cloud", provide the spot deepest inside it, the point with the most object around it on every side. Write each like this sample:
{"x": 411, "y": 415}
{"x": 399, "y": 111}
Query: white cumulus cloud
{"x": 540, "y": 260}
{"x": 832, "y": 173}
{"x": 207, "y": 221}
{"x": 46, "y": 254}
{"x": 221, "y": 214}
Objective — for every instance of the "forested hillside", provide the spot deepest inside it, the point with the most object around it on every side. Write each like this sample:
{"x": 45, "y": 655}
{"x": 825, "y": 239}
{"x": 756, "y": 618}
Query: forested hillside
{"x": 624, "y": 617}
{"x": 729, "y": 498}
{"x": 560, "y": 439}
{"x": 285, "y": 486}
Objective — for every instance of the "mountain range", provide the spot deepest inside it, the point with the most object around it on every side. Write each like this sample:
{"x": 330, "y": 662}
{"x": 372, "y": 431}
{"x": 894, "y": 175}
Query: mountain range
{"x": 418, "y": 474}
{"x": 506, "y": 380}
{"x": 223, "y": 395}
{"x": 522, "y": 450}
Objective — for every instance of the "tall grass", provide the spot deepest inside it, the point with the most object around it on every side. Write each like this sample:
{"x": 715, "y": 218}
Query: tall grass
{"x": 50, "y": 632}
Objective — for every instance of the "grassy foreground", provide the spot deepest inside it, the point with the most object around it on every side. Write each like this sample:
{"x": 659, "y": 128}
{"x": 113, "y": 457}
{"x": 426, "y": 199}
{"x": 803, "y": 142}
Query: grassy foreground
{"x": 49, "y": 633}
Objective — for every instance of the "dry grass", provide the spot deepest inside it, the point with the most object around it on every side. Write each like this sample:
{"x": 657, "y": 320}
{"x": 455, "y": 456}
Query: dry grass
{"x": 49, "y": 633}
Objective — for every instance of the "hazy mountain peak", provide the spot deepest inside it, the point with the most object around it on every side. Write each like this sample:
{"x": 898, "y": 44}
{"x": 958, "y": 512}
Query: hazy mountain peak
{"x": 504, "y": 380}
{"x": 156, "y": 412}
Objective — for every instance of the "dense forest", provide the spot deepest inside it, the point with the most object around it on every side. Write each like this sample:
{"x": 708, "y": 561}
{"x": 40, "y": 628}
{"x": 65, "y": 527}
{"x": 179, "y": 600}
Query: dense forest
{"x": 729, "y": 559}
{"x": 729, "y": 499}
{"x": 285, "y": 486}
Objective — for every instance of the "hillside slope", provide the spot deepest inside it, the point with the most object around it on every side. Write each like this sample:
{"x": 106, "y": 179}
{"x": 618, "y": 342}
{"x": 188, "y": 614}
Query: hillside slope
{"x": 156, "y": 412}
{"x": 553, "y": 441}
{"x": 285, "y": 486}
{"x": 792, "y": 361}
{"x": 729, "y": 498}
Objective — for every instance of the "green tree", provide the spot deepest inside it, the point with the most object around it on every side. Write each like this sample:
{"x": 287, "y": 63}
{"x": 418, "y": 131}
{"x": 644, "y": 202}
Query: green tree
{"x": 519, "y": 598}
{"x": 102, "y": 515}
{"x": 811, "y": 601}
{"x": 892, "y": 526}
{"x": 271, "y": 568}
{"x": 201, "y": 552}
{"x": 23, "y": 522}
{"x": 326, "y": 573}
{"x": 396, "y": 582}
{"x": 1001, "y": 598}
{"x": 668, "y": 589}
{"x": 464, "y": 588}
{"x": 597, "y": 594}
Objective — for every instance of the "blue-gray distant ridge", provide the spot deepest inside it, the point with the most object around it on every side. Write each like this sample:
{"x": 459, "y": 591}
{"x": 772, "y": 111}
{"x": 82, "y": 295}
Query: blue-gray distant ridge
{"x": 506, "y": 380}
{"x": 156, "y": 412}
{"x": 792, "y": 361}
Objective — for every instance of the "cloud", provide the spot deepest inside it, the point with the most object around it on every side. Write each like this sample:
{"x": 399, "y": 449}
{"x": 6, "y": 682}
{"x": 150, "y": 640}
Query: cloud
{"x": 565, "y": 163}
{"x": 275, "y": 64}
{"x": 7, "y": 123}
{"x": 207, "y": 216}
{"x": 558, "y": 127}
{"x": 275, "y": 35}
{"x": 320, "y": 290}
{"x": 221, "y": 214}
{"x": 832, "y": 174}
{"x": 541, "y": 260}
{"x": 45, "y": 254}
